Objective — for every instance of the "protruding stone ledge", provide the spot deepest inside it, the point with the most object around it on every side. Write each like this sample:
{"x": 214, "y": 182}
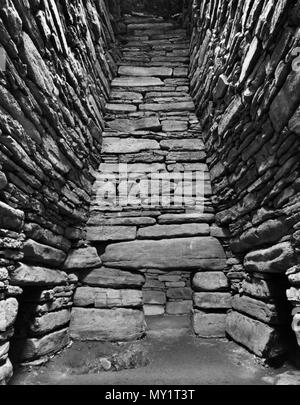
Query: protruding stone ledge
{"x": 276, "y": 259}
{"x": 26, "y": 276}
{"x": 111, "y": 278}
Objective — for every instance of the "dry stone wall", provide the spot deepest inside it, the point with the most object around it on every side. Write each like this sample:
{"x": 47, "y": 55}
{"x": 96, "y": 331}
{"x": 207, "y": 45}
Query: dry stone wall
{"x": 56, "y": 62}
{"x": 245, "y": 81}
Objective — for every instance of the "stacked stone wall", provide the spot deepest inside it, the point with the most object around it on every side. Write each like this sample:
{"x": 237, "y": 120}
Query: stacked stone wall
{"x": 245, "y": 81}
{"x": 56, "y": 61}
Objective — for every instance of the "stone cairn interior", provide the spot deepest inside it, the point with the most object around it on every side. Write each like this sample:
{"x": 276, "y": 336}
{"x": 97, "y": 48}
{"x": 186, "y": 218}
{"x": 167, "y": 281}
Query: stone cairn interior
{"x": 99, "y": 99}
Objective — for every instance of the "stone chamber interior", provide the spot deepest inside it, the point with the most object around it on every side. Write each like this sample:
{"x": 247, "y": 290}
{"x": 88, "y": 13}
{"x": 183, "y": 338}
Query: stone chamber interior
{"x": 209, "y": 87}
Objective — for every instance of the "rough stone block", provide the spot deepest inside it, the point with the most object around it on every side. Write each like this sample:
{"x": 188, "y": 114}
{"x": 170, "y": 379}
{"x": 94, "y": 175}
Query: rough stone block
{"x": 30, "y": 349}
{"x": 187, "y": 253}
{"x": 260, "y": 310}
{"x": 85, "y": 258}
{"x": 49, "y": 322}
{"x": 136, "y": 82}
{"x": 209, "y": 325}
{"x": 154, "y": 310}
{"x": 8, "y": 313}
{"x": 179, "y": 307}
{"x": 261, "y": 339}
{"x": 110, "y": 233}
{"x": 184, "y": 293}
{"x": 210, "y": 281}
{"x": 111, "y": 278}
{"x": 128, "y": 145}
{"x": 173, "y": 231}
{"x": 43, "y": 254}
{"x": 11, "y": 218}
{"x": 276, "y": 259}
{"x": 145, "y": 71}
{"x": 6, "y": 372}
{"x": 107, "y": 298}
{"x": 212, "y": 300}
{"x": 154, "y": 297}
{"x": 107, "y": 324}
{"x": 33, "y": 276}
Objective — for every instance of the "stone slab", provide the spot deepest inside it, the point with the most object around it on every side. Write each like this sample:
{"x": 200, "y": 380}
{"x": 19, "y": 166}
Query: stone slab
{"x": 212, "y": 300}
{"x": 85, "y": 258}
{"x": 113, "y": 325}
{"x": 30, "y": 349}
{"x": 126, "y": 125}
{"x": 6, "y": 372}
{"x": 43, "y": 254}
{"x": 153, "y": 297}
{"x": 111, "y": 278}
{"x": 34, "y": 276}
{"x": 175, "y": 254}
{"x": 209, "y": 326}
{"x": 136, "y": 82}
{"x": 110, "y": 233}
{"x": 107, "y": 298}
{"x": 173, "y": 231}
{"x": 260, "y": 310}
{"x": 210, "y": 281}
{"x": 154, "y": 310}
{"x": 145, "y": 71}
{"x": 8, "y": 313}
{"x": 179, "y": 307}
{"x": 49, "y": 322}
{"x": 129, "y": 145}
{"x": 261, "y": 339}
{"x": 276, "y": 259}
{"x": 182, "y": 106}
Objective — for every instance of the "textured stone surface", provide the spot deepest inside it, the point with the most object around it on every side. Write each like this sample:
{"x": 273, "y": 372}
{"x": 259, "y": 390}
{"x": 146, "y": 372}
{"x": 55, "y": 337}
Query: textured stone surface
{"x": 193, "y": 253}
{"x": 173, "y": 231}
{"x": 212, "y": 300}
{"x": 260, "y": 310}
{"x": 113, "y": 278}
{"x": 43, "y": 254}
{"x": 6, "y": 372}
{"x": 30, "y": 349}
{"x": 110, "y": 233}
{"x": 276, "y": 259}
{"x": 144, "y": 71}
{"x": 107, "y": 298}
{"x": 107, "y": 324}
{"x": 179, "y": 307}
{"x": 209, "y": 325}
{"x": 8, "y": 313}
{"x": 50, "y": 322}
{"x": 25, "y": 275}
{"x": 210, "y": 281}
{"x": 258, "y": 337}
{"x": 136, "y": 82}
{"x": 85, "y": 258}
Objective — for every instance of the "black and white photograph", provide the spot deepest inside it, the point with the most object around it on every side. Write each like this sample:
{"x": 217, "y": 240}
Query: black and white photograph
{"x": 149, "y": 195}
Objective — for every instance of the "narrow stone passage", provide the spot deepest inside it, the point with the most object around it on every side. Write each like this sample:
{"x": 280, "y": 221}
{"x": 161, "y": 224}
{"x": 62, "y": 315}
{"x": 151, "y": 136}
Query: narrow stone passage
{"x": 152, "y": 214}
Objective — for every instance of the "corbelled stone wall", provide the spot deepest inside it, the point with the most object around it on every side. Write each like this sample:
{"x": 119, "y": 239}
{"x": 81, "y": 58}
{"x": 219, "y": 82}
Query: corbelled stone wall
{"x": 165, "y": 8}
{"x": 245, "y": 81}
{"x": 56, "y": 60}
